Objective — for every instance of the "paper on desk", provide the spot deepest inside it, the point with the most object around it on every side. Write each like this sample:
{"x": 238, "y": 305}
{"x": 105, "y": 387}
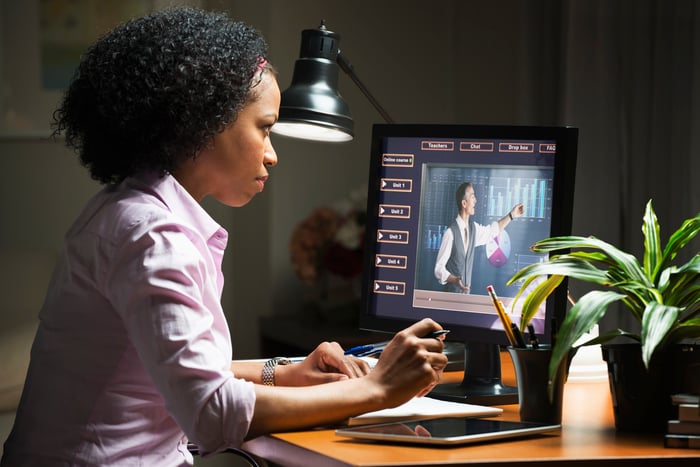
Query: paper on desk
{"x": 422, "y": 408}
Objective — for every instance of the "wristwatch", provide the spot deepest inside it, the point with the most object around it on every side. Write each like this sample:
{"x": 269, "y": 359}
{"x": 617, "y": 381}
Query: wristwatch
{"x": 268, "y": 371}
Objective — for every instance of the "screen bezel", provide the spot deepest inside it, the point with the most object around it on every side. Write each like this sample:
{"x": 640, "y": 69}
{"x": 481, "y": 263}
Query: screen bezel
{"x": 566, "y": 139}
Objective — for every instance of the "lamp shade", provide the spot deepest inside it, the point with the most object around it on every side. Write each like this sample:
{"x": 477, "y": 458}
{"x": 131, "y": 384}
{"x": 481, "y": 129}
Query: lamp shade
{"x": 312, "y": 108}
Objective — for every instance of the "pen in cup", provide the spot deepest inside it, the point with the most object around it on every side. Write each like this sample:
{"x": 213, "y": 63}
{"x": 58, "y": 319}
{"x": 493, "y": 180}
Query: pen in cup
{"x": 519, "y": 340}
{"x": 534, "y": 343}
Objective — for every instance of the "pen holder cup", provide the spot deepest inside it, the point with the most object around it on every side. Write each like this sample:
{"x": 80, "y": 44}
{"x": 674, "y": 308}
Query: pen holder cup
{"x": 532, "y": 375}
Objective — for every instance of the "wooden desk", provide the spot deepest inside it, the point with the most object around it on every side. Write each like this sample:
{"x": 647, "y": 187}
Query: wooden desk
{"x": 588, "y": 437}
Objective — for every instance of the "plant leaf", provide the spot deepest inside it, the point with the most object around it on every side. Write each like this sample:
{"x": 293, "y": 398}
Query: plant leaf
{"x": 652, "y": 242}
{"x": 692, "y": 299}
{"x": 580, "y": 319}
{"x": 564, "y": 265}
{"x": 685, "y": 233}
{"x": 657, "y": 321}
{"x": 625, "y": 262}
{"x": 687, "y": 329}
{"x": 535, "y": 298}
{"x": 610, "y": 335}
{"x": 679, "y": 285}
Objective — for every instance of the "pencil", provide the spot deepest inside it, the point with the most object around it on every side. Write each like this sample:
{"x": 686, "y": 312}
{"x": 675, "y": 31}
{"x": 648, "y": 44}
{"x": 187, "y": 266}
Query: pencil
{"x": 505, "y": 319}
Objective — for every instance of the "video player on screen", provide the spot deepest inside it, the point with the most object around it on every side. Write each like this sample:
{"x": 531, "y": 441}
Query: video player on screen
{"x": 455, "y": 260}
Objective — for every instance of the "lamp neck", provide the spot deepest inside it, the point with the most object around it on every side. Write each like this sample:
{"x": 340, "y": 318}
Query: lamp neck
{"x": 347, "y": 67}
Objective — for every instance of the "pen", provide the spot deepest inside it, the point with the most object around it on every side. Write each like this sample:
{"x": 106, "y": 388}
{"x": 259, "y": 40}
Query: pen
{"x": 377, "y": 348}
{"x": 519, "y": 340}
{"x": 437, "y": 334}
{"x": 534, "y": 343}
{"x": 554, "y": 330}
{"x": 366, "y": 350}
{"x": 505, "y": 320}
{"x": 371, "y": 349}
{"x": 360, "y": 349}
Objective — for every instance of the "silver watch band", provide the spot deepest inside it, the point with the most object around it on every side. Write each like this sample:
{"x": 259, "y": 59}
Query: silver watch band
{"x": 268, "y": 371}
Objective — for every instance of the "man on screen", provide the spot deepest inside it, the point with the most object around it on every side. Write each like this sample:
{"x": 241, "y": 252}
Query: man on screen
{"x": 453, "y": 266}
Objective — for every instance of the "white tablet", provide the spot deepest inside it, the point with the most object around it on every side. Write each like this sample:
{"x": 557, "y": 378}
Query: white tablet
{"x": 446, "y": 431}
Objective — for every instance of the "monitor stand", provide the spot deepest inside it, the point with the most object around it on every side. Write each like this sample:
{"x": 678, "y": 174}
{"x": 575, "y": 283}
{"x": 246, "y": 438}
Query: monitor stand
{"x": 482, "y": 379}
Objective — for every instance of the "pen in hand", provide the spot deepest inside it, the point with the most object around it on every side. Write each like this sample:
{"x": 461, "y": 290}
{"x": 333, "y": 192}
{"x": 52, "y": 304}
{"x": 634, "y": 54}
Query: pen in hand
{"x": 437, "y": 334}
{"x": 366, "y": 350}
{"x": 371, "y": 349}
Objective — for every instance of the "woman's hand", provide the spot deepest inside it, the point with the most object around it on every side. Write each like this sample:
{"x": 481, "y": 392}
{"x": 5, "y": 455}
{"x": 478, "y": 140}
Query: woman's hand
{"x": 411, "y": 365}
{"x": 327, "y": 363}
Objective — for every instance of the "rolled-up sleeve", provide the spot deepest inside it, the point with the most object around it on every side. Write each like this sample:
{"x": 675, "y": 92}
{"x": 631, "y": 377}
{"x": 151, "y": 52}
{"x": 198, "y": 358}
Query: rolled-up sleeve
{"x": 484, "y": 233}
{"x": 232, "y": 404}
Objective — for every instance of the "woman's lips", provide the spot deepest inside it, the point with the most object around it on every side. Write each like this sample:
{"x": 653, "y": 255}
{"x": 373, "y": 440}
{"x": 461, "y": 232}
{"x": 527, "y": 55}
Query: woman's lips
{"x": 261, "y": 182}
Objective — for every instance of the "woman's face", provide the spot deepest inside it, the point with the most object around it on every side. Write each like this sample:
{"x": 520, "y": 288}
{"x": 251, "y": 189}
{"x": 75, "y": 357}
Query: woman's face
{"x": 233, "y": 168}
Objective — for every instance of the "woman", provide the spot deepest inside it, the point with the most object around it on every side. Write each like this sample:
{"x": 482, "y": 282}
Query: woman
{"x": 132, "y": 358}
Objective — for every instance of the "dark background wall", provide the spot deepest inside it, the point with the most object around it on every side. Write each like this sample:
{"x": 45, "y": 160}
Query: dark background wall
{"x": 445, "y": 61}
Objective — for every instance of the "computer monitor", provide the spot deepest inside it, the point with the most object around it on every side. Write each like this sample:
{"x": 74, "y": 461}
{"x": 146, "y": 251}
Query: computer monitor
{"x": 415, "y": 173}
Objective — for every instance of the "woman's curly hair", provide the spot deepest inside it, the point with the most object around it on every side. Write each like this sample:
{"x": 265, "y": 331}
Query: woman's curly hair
{"x": 156, "y": 90}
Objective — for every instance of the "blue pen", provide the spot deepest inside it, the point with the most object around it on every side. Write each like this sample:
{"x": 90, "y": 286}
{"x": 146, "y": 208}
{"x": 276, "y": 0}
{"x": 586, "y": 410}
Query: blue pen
{"x": 371, "y": 349}
{"x": 360, "y": 349}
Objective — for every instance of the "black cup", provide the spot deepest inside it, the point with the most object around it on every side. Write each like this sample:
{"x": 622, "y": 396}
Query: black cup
{"x": 532, "y": 375}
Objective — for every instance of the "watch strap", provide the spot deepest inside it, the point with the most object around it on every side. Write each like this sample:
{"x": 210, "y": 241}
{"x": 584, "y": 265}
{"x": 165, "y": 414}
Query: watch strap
{"x": 268, "y": 371}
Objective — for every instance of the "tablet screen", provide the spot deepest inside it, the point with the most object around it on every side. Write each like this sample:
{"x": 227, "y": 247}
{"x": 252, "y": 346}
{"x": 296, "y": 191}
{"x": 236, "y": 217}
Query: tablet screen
{"x": 447, "y": 430}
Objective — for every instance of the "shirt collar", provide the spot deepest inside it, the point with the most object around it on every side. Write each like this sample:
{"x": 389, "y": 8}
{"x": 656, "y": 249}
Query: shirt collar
{"x": 178, "y": 201}
{"x": 460, "y": 222}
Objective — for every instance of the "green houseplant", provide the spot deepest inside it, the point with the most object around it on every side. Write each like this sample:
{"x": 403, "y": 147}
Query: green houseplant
{"x": 664, "y": 298}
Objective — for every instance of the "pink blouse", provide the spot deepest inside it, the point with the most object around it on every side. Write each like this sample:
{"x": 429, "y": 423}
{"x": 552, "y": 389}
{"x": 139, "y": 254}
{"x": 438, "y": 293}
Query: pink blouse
{"x": 133, "y": 353}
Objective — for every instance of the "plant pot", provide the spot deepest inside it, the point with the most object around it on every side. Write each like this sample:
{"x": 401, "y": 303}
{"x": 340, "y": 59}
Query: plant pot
{"x": 642, "y": 397}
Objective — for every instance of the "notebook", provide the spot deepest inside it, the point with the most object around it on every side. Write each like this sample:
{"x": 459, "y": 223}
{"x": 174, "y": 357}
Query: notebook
{"x": 423, "y": 408}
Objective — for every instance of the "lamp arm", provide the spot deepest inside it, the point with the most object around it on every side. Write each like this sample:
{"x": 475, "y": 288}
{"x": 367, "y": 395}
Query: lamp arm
{"x": 347, "y": 67}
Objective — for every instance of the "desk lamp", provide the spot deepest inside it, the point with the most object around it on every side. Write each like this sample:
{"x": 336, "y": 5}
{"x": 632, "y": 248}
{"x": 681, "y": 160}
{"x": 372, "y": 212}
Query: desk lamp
{"x": 312, "y": 107}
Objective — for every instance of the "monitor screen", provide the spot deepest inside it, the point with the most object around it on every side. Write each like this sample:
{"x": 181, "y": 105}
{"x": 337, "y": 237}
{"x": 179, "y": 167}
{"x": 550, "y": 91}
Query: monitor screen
{"x": 452, "y": 210}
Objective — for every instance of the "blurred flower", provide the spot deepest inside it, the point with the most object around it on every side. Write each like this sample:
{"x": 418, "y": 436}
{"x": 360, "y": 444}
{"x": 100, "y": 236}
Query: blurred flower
{"x": 330, "y": 240}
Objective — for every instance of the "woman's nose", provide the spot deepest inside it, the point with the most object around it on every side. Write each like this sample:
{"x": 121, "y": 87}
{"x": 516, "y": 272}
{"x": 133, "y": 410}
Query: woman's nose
{"x": 270, "y": 157}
